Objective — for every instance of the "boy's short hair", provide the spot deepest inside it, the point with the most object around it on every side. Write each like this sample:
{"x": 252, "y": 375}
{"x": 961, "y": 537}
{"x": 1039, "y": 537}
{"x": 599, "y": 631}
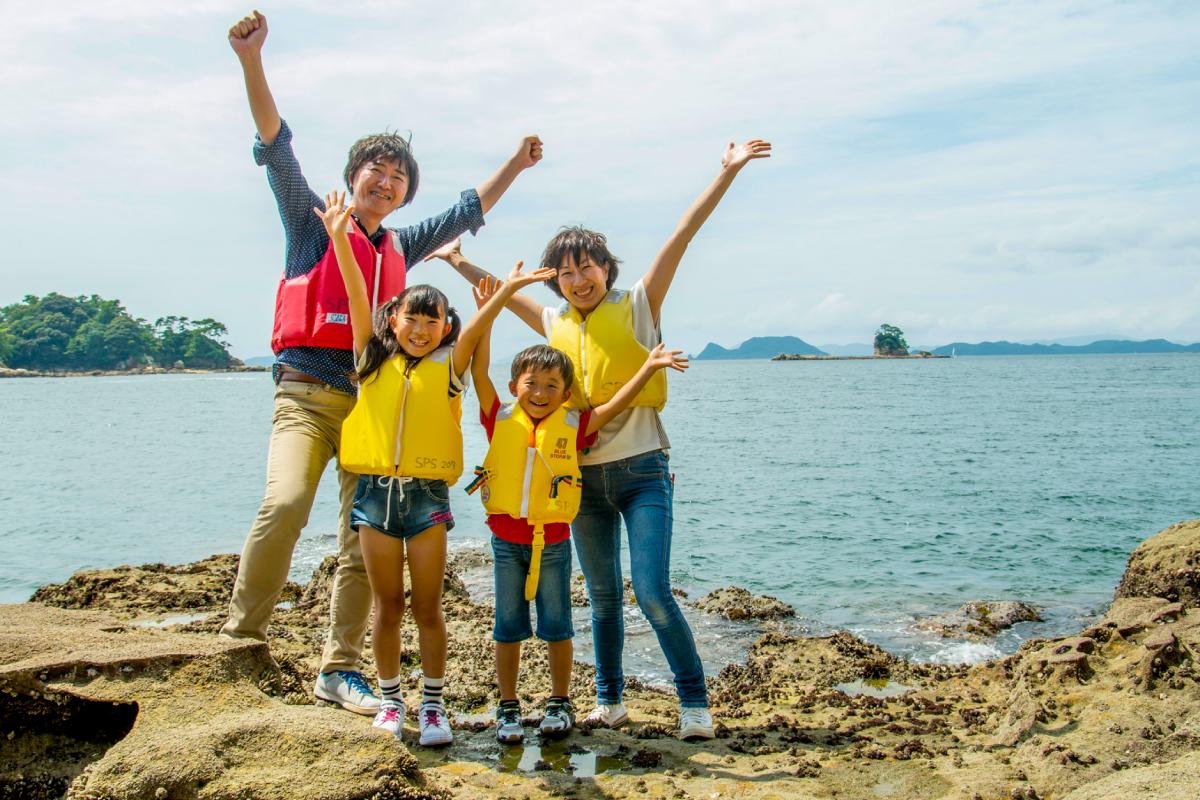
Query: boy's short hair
{"x": 386, "y": 146}
{"x": 577, "y": 241}
{"x": 541, "y": 356}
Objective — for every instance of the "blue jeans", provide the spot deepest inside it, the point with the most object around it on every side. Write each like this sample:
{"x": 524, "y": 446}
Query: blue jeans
{"x": 640, "y": 490}
{"x": 400, "y": 509}
{"x": 553, "y": 600}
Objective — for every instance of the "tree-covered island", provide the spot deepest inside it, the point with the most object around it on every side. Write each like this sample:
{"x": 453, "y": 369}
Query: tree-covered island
{"x": 80, "y": 334}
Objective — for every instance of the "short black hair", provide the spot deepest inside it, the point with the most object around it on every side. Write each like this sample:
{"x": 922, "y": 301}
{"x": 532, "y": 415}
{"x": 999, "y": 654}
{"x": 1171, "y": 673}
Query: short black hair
{"x": 541, "y": 356}
{"x": 577, "y": 242}
{"x": 379, "y": 147}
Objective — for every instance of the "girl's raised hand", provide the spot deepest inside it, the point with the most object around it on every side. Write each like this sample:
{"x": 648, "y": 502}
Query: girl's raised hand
{"x": 447, "y": 251}
{"x": 660, "y": 357}
{"x": 736, "y": 156}
{"x": 487, "y": 287}
{"x": 520, "y": 279}
{"x": 336, "y": 216}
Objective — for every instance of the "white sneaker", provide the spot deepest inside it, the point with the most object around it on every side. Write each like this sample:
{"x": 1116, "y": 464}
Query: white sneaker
{"x": 606, "y": 716}
{"x": 390, "y": 717}
{"x": 695, "y": 723}
{"x": 435, "y": 725}
{"x": 348, "y": 689}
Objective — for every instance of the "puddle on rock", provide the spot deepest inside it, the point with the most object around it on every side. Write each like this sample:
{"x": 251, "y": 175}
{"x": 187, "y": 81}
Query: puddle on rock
{"x": 874, "y": 687}
{"x": 535, "y": 754}
{"x": 174, "y": 619}
{"x": 562, "y": 756}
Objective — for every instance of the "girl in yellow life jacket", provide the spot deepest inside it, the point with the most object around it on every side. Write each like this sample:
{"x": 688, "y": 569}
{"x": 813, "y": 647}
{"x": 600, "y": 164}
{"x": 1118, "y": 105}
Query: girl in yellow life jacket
{"x": 626, "y": 475}
{"x": 530, "y": 486}
{"x": 403, "y": 437}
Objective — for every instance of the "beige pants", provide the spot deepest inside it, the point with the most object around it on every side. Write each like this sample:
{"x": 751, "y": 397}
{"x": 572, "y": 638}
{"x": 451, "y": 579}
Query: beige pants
{"x": 305, "y": 432}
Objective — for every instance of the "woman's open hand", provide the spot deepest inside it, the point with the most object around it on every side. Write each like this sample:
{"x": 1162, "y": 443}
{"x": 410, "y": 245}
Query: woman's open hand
{"x": 736, "y": 156}
{"x": 519, "y": 279}
{"x": 447, "y": 251}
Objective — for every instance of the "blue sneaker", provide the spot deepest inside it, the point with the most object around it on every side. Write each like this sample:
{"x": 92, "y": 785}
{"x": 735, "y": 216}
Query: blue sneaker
{"x": 349, "y": 690}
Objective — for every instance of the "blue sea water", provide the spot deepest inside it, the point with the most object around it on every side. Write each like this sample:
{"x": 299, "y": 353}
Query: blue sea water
{"x": 867, "y": 494}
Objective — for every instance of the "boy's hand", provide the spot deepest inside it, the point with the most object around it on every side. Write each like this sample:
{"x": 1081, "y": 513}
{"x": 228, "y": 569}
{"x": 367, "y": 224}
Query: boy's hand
{"x": 447, "y": 252}
{"x": 660, "y": 358}
{"x": 248, "y": 34}
{"x": 530, "y": 152}
{"x": 335, "y": 216}
{"x": 736, "y": 156}
{"x": 519, "y": 280}
{"x": 485, "y": 289}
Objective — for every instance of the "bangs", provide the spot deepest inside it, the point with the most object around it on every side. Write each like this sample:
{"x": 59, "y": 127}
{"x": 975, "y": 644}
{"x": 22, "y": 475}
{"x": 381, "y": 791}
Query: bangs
{"x": 425, "y": 300}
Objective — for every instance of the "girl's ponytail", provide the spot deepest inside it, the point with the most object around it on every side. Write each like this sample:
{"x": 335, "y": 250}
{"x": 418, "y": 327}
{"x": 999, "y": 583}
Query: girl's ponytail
{"x": 382, "y": 345}
{"x": 456, "y": 327}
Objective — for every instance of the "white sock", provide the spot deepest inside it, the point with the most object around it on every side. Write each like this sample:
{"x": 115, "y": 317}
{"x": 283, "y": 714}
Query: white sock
{"x": 432, "y": 692}
{"x": 389, "y": 690}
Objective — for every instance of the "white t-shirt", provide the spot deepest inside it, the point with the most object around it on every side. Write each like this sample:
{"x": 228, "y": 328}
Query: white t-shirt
{"x": 635, "y": 430}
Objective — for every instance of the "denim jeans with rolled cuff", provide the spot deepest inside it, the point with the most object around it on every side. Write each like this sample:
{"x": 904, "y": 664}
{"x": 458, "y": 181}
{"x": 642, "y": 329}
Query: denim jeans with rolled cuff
{"x": 638, "y": 490}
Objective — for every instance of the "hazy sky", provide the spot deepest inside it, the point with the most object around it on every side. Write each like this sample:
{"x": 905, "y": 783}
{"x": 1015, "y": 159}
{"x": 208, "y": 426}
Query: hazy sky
{"x": 964, "y": 170}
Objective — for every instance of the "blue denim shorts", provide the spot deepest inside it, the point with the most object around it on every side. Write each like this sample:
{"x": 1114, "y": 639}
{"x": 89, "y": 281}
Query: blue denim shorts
{"x": 400, "y": 508}
{"x": 553, "y": 600}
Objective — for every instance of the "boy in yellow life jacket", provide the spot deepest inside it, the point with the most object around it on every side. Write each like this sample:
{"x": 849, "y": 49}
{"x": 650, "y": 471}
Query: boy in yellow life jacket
{"x": 530, "y": 486}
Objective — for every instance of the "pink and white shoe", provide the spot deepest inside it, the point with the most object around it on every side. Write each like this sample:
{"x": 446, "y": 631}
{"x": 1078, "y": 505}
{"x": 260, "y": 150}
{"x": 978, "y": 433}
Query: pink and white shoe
{"x": 435, "y": 725}
{"x": 390, "y": 717}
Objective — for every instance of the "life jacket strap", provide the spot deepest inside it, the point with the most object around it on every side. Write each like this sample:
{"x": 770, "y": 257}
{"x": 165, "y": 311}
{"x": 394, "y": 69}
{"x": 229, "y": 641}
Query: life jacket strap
{"x": 482, "y": 476}
{"x": 535, "y": 561}
{"x": 570, "y": 480}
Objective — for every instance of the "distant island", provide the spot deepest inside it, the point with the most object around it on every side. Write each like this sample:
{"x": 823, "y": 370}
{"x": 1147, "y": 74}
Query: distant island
{"x": 1103, "y": 347}
{"x": 759, "y": 347}
{"x": 59, "y": 335}
{"x": 767, "y": 347}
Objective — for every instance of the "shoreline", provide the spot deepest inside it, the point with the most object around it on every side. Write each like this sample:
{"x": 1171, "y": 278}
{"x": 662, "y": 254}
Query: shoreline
{"x": 1110, "y": 712}
{"x": 6, "y": 372}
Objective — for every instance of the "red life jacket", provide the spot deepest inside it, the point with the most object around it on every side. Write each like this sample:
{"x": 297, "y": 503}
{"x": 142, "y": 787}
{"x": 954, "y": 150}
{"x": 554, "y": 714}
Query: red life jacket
{"x": 313, "y": 310}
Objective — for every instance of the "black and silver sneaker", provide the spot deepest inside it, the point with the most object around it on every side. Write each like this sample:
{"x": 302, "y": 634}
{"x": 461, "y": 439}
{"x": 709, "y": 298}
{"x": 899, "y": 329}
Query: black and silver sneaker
{"x": 558, "y": 719}
{"x": 508, "y": 723}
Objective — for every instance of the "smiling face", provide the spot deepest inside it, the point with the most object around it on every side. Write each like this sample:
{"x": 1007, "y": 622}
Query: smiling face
{"x": 583, "y": 283}
{"x": 419, "y": 334}
{"x": 540, "y": 391}
{"x": 379, "y": 188}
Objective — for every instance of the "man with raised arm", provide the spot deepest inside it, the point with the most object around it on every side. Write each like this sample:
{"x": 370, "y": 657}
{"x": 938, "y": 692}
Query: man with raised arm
{"x": 313, "y": 341}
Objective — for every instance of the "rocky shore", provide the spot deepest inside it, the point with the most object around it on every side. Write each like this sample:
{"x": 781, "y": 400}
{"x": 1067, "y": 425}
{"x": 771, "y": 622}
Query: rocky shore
{"x": 113, "y": 685}
{"x": 6, "y": 372}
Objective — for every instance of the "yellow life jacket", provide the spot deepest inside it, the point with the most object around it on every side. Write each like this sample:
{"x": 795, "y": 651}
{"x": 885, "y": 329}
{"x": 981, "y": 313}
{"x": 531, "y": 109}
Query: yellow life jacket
{"x": 532, "y": 473}
{"x": 604, "y": 351}
{"x": 406, "y": 425}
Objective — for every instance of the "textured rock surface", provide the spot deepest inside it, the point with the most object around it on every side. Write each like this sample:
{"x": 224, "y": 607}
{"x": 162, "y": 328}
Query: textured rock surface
{"x": 982, "y": 619}
{"x": 93, "y": 700}
{"x": 111, "y": 710}
{"x": 734, "y": 602}
{"x": 1166, "y": 565}
{"x": 1175, "y": 780}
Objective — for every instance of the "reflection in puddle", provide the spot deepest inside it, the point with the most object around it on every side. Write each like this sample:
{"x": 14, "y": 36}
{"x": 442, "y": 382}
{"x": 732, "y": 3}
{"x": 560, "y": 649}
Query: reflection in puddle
{"x": 174, "y": 619}
{"x": 557, "y": 757}
{"x": 874, "y": 687}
